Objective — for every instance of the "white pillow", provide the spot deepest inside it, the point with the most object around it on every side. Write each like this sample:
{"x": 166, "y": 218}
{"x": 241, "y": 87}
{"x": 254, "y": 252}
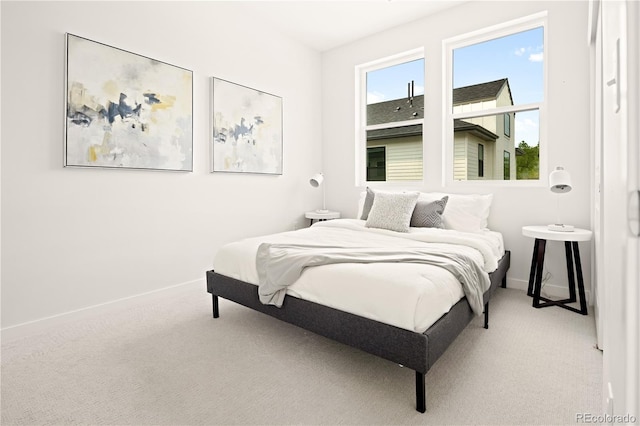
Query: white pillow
{"x": 392, "y": 211}
{"x": 464, "y": 212}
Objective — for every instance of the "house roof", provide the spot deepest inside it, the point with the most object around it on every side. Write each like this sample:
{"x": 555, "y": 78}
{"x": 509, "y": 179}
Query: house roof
{"x": 394, "y": 132}
{"x": 395, "y": 110}
{"x": 416, "y": 129}
{"x": 477, "y": 92}
{"x": 401, "y": 110}
{"x": 474, "y": 129}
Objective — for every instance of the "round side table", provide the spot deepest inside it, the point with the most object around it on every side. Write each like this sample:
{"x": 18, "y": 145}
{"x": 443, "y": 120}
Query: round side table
{"x": 315, "y": 215}
{"x": 542, "y": 234}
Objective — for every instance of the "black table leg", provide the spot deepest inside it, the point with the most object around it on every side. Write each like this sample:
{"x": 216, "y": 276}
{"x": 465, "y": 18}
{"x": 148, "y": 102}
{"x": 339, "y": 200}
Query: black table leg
{"x": 572, "y": 281}
{"x": 532, "y": 272}
{"x": 583, "y": 299}
{"x": 541, "y": 245}
{"x": 572, "y": 253}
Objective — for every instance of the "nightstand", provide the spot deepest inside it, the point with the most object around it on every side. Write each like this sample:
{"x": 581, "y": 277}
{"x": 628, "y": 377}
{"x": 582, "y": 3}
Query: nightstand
{"x": 315, "y": 215}
{"x": 542, "y": 234}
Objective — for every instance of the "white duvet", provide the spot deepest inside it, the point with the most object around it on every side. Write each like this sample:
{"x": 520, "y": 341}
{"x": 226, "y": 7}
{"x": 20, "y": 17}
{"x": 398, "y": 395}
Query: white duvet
{"x": 407, "y": 295}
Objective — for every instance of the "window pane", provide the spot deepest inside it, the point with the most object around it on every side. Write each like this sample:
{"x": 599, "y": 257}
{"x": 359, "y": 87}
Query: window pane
{"x": 394, "y": 82}
{"x": 507, "y": 165}
{"x": 499, "y": 72}
{"x": 376, "y": 167}
{"x": 403, "y": 147}
{"x": 394, "y": 94}
{"x": 527, "y": 140}
{"x": 480, "y": 146}
{"x": 507, "y": 125}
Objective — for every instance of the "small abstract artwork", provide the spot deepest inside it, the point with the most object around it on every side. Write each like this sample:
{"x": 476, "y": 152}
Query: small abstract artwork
{"x": 124, "y": 110}
{"x": 247, "y": 129}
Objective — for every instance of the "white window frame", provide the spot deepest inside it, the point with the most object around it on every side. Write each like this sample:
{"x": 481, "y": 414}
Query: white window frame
{"x": 361, "y": 118}
{"x": 475, "y": 37}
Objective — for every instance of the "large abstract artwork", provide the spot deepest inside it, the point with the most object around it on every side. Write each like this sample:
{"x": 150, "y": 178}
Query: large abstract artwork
{"x": 125, "y": 110}
{"x": 247, "y": 129}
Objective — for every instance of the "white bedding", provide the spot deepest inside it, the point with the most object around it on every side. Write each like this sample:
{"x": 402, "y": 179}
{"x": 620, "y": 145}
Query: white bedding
{"x": 407, "y": 295}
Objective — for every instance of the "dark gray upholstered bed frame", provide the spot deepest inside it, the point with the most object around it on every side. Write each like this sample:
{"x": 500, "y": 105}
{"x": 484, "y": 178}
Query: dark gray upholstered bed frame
{"x": 418, "y": 351}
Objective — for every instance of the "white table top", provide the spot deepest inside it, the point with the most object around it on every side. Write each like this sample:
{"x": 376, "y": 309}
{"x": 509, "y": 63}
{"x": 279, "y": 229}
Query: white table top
{"x": 544, "y": 233}
{"x": 322, "y": 215}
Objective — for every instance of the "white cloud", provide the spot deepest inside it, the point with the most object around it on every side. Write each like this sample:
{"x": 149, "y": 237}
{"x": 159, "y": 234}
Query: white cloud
{"x": 375, "y": 97}
{"x": 527, "y": 123}
{"x": 527, "y": 129}
{"x": 520, "y": 52}
{"x": 536, "y": 57}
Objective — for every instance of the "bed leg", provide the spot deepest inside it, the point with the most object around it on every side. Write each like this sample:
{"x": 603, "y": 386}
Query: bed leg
{"x": 486, "y": 315}
{"x": 504, "y": 281}
{"x": 421, "y": 392}
{"x": 216, "y": 310}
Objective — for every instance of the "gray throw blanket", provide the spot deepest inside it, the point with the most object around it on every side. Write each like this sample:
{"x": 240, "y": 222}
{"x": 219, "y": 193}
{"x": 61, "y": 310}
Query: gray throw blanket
{"x": 280, "y": 265}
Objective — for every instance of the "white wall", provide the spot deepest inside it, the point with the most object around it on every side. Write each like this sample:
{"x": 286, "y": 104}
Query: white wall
{"x": 568, "y": 121}
{"x": 73, "y": 238}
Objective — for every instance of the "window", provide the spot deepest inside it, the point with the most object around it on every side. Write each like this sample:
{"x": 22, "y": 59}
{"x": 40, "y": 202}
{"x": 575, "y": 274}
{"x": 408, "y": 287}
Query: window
{"x": 506, "y": 165}
{"x": 495, "y": 94}
{"x": 376, "y": 164}
{"x": 507, "y": 125}
{"x": 480, "y": 160}
{"x": 390, "y": 116}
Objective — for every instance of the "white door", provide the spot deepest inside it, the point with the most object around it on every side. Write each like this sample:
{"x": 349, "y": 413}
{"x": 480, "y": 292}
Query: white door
{"x": 620, "y": 179}
{"x": 633, "y": 215}
{"x": 597, "y": 223}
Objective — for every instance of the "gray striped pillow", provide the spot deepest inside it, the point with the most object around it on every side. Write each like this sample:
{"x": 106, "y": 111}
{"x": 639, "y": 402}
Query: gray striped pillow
{"x": 428, "y": 214}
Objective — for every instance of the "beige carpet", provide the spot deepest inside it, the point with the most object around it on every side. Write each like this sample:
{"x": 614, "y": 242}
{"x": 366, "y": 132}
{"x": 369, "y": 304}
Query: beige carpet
{"x": 166, "y": 361}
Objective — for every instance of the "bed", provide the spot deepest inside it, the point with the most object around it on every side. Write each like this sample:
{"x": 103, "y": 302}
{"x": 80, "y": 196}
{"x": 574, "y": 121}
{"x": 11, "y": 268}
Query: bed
{"x": 346, "y": 288}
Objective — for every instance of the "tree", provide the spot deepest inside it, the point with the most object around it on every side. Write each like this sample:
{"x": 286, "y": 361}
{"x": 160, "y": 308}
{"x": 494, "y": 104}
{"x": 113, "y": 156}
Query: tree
{"x": 527, "y": 161}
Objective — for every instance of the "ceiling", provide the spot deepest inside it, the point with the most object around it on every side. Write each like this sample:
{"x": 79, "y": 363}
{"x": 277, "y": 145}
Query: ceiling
{"x": 324, "y": 25}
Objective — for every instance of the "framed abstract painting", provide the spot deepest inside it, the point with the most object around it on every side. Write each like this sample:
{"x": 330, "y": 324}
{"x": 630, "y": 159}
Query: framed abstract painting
{"x": 247, "y": 129}
{"x": 124, "y": 110}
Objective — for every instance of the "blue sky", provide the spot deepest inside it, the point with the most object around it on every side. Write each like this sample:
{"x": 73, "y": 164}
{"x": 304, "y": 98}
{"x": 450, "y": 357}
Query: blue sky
{"x": 391, "y": 82}
{"x": 518, "y": 57}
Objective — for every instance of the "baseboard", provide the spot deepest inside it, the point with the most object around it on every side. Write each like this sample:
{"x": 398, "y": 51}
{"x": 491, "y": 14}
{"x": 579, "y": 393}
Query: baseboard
{"x": 548, "y": 290}
{"x": 22, "y": 330}
{"x": 26, "y": 329}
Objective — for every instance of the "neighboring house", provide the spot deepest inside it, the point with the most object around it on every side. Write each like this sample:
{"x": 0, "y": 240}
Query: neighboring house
{"x": 483, "y": 147}
{"x": 395, "y": 153}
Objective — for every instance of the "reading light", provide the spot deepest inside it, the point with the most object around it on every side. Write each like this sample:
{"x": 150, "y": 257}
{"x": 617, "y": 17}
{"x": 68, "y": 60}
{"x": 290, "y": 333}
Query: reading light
{"x": 560, "y": 183}
{"x": 316, "y": 181}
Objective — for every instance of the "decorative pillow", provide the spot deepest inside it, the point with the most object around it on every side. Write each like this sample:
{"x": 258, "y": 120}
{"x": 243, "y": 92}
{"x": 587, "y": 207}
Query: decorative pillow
{"x": 368, "y": 202}
{"x": 392, "y": 211}
{"x": 465, "y": 212}
{"x": 429, "y": 214}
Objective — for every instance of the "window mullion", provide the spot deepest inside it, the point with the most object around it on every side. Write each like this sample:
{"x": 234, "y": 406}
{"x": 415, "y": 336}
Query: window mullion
{"x": 496, "y": 111}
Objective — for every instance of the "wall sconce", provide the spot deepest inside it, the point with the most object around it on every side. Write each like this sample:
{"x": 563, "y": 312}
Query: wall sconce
{"x": 316, "y": 181}
{"x": 560, "y": 183}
